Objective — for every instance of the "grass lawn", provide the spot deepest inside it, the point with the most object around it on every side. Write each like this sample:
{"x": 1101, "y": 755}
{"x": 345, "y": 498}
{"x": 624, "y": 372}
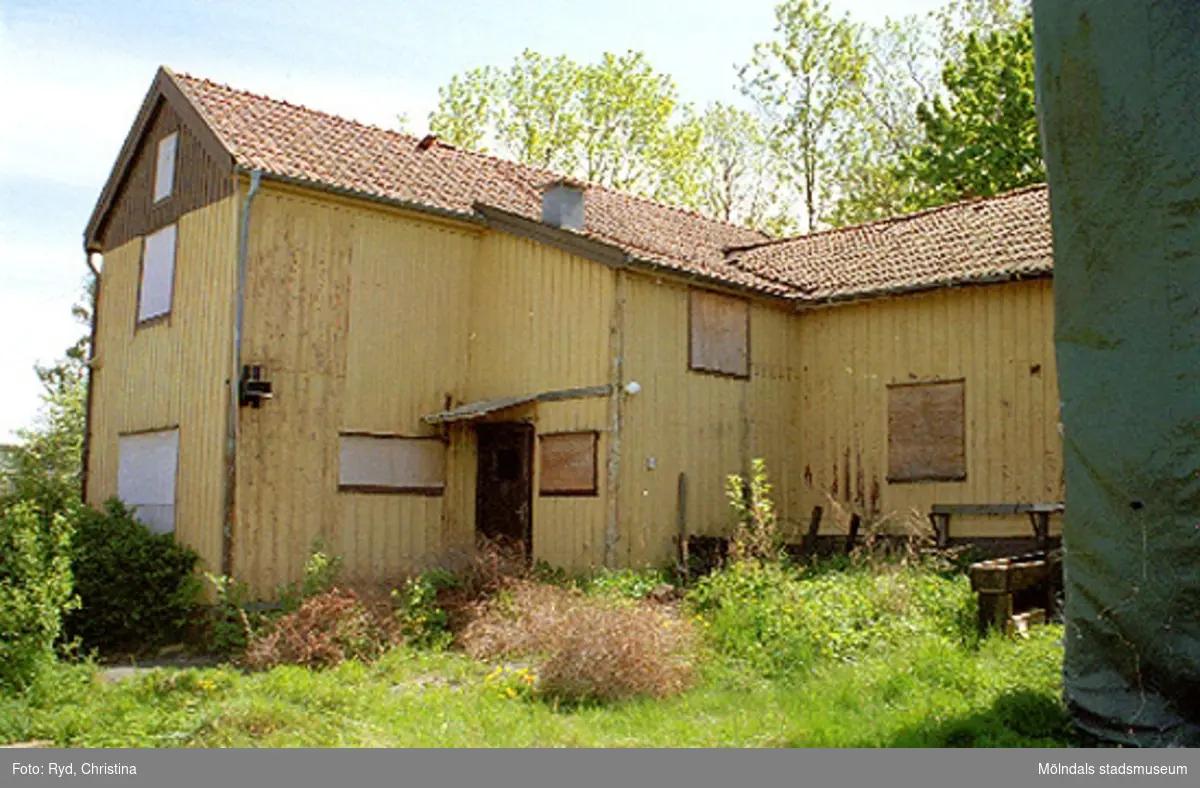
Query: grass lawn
{"x": 928, "y": 692}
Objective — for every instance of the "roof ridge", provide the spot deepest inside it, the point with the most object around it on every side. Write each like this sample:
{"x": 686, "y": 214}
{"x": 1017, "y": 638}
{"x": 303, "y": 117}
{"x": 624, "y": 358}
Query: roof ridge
{"x": 888, "y": 220}
{"x": 439, "y": 142}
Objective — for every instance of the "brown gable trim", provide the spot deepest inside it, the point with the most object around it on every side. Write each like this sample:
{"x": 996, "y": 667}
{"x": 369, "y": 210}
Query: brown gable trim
{"x": 608, "y": 253}
{"x": 162, "y": 90}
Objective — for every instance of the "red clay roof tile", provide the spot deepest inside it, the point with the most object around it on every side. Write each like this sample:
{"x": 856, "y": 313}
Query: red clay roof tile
{"x": 1007, "y": 236}
{"x": 309, "y": 145}
{"x": 1001, "y": 237}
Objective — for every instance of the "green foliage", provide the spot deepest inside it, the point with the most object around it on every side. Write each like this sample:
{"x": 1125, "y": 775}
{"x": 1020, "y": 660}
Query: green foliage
{"x": 234, "y": 620}
{"x": 851, "y": 122}
{"x": 35, "y": 591}
{"x": 983, "y": 139}
{"x": 321, "y": 573}
{"x": 44, "y": 467}
{"x": 925, "y": 694}
{"x": 807, "y": 84}
{"x": 737, "y": 171}
{"x": 778, "y": 620}
{"x": 230, "y": 622}
{"x": 955, "y": 22}
{"x": 632, "y": 584}
{"x": 137, "y": 589}
{"x": 756, "y": 534}
{"x": 548, "y": 574}
{"x": 899, "y": 75}
{"x": 423, "y": 623}
{"x": 617, "y": 122}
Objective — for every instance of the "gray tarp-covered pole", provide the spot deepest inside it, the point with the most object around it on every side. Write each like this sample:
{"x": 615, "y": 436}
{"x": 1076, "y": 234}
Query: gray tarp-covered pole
{"x": 1119, "y": 101}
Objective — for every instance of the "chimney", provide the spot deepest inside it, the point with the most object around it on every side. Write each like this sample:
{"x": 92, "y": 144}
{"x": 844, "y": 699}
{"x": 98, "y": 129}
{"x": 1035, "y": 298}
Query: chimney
{"x": 562, "y": 204}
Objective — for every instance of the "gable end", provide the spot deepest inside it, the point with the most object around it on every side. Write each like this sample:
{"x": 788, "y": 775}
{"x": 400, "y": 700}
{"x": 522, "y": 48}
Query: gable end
{"x": 203, "y": 171}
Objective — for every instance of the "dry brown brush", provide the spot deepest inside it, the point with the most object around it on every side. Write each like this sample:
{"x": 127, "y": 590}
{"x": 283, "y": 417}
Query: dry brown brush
{"x": 327, "y": 628}
{"x": 584, "y": 648}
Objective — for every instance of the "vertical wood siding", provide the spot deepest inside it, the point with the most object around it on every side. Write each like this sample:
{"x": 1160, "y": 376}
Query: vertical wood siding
{"x": 358, "y": 317}
{"x": 365, "y": 319}
{"x": 539, "y": 321}
{"x": 199, "y": 181}
{"x": 170, "y": 373}
{"x": 998, "y": 338}
{"x": 569, "y": 531}
{"x": 707, "y": 426}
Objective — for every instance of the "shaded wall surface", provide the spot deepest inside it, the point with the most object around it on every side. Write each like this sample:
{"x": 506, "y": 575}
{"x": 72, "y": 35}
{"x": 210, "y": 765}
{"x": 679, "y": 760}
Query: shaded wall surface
{"x": 1119, "y": 97}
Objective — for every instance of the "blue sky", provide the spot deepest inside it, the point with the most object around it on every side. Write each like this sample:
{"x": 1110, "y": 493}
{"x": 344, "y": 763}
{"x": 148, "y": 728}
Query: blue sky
{"x": 72, "y": 75}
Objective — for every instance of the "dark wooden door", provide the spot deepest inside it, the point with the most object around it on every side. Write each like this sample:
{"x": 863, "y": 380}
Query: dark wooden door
{"x": 504, "y": 487}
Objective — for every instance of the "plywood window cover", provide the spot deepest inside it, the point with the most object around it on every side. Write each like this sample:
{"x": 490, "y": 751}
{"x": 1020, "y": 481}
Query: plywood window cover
{"x": 160, "y": 251}
{"x": 429, "y": 480}
{"x": 584, "y": 482}
{"x": 164, "y": 166}
{"x": 903, "y": 467}
{"x": 147, "y": 475}
{"x": 703, "y": 356}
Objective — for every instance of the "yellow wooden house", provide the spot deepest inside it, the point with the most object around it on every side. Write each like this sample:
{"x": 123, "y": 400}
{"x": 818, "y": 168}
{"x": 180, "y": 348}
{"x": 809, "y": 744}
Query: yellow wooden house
{"x": 307, "y": 327}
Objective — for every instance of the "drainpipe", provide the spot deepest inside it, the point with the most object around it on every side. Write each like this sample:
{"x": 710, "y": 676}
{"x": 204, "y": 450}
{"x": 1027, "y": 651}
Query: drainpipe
{"x": 91, "y": 374}
{"x": 231, "y": 431}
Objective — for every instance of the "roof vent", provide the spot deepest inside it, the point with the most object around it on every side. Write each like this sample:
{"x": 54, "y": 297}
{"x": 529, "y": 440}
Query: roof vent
{"x": 562, "y": 204}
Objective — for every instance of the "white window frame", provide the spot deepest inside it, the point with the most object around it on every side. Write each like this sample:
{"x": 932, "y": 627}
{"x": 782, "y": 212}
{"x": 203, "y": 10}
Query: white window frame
{"x": 147, "y": 476}
{"x": 164, "y": 166}
{"x": 156, "y": 290}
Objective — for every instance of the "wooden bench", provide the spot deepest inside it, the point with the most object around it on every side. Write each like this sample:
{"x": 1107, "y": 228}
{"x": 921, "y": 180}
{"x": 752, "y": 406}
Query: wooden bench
{"x": 1039, "y": 517}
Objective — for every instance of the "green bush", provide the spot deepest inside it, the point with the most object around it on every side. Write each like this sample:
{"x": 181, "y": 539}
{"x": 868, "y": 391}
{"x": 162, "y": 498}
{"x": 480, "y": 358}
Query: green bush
{"x": 626, "y": 583}
{"x": 230, "y": 623}
{"x": 756, "y": 534}
{"x": 423, "y": 622}
{"x": 778, "y": 619}
{"x": 321, "y": 574}
{"x": 137, "y": 589}
{"x": 35, "y": 591}
{"x": 234, "y": 621}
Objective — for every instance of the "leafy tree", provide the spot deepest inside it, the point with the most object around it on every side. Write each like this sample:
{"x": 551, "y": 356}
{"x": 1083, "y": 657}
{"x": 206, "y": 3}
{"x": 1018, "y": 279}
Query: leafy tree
{"x": 807, "y": 83}
{"x": 738, "y": 171}
{"x": 35, "y": 591}
{"x": 983, "y": 138}
{"x": 45, "y": 466}
{"x": 900, "y": 74}
{"x": 617, "y": 122}
{"x": 533, "y": 110}
{"x": 957, "y": 20}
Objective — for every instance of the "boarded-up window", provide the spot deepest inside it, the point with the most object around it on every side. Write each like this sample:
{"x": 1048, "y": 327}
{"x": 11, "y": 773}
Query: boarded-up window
{"x": 158, "y": 274}
{"x": 719, "y": 334}
{"x": 146, "y": 471}
{"x": 164, "y": 167}
{"x": 386, "y": 464}
{"x": 926, "y": 432}
{"x": 568, "y": 463}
